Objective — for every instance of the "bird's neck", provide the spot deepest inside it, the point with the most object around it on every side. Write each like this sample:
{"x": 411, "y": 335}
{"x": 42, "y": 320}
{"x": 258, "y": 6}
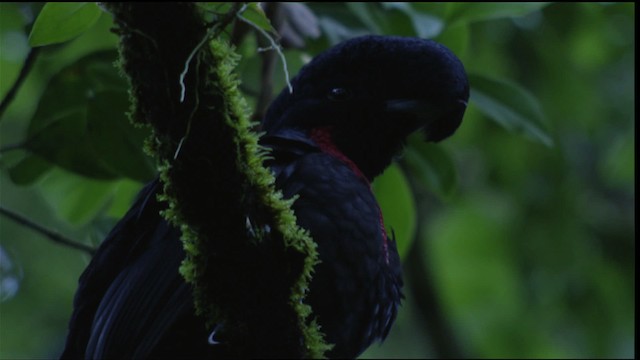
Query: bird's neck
{"x": 367, "y": 157}
{"x": 322, "y": 137}
{"x": 366, "y": 160}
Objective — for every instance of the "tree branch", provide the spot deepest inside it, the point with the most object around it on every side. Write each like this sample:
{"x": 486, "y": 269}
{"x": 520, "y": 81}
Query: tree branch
{"x": 52, "y": 235}
{"x": 235, "y": 227}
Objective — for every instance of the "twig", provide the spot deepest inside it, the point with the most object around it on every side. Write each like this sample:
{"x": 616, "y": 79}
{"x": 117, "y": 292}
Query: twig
{"x": 211, "y": 33}
{"x": 26, "y": 68}
{"x": 191, "y": 115}
{"x": 184, "y": 72}
{"x": 11, "y": 147}
{"x": 276, "y": 17}
{"x": 274, "y": 46}
{"x": 52, "y": 235}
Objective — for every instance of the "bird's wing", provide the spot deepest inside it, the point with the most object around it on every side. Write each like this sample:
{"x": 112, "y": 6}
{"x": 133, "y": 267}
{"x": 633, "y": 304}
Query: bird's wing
{"x": 338, "y": 208}
{"x": 131, "y": 295}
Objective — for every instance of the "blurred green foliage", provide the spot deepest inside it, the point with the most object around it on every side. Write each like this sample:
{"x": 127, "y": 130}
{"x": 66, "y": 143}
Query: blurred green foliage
{"x": 521, "y": 226}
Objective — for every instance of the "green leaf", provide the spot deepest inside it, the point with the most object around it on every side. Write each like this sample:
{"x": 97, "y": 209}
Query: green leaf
{"x": 217, "y": 8}
{"x": 617, "y": 164}
{"x": 60, "y": 22}
{"x": 124, "y": 195}
{"x": 28, "y": 170}
{"x": 13, "y": 44}
{"x": 439, "y": 10}
{"x": 456, "y": 38}
{"x": 511, "y": 106}
{"x": 398, "y": 206}
{"x": 432, "y": 166}
{"x": 64, "y": 142}
{"x": 81, "y": 123}
{"x": 425, "y": 24}
{"x": 469, "y": 250}
{"x": 102, "y": 74}
{"x": 74, "y": 85}
{"x": 478, "y": 11}
{"x": 256, "y": 15}
{"x": 364, "y": 11}
{"x": 116, "y": 141}
{"x": 337, "y": 22}
{"x": 74, "y": 198}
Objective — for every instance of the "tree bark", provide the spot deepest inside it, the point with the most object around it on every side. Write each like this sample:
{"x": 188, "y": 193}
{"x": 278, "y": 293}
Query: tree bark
{"x": 248, "y": 261}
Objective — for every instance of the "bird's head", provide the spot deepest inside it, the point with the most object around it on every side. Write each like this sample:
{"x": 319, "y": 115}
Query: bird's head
{"x": 367, "y": 94}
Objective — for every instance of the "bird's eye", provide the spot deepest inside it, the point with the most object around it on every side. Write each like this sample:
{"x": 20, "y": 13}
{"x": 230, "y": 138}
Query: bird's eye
{"x": 339, "y": 94}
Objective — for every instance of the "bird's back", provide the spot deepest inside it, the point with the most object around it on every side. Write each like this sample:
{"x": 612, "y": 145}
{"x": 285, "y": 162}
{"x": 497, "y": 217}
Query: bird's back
{"x": 137, "y": 305}
{"x": 356, "y": 287}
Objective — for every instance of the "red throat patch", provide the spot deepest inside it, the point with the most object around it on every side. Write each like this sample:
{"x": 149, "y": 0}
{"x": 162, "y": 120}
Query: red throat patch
{"x": 322, "y": 137}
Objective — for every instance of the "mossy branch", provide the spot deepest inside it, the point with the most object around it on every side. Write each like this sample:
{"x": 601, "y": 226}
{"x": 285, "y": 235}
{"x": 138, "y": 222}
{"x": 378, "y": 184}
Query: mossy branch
{"x": 248, "y": 261}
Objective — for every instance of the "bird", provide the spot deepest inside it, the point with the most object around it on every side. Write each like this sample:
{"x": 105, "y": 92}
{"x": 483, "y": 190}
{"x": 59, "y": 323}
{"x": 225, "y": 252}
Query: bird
{"x": 350, "y": 112}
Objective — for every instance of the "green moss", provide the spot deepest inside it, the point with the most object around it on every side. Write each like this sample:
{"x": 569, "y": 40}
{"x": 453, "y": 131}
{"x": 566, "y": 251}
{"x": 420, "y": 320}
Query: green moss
{"x": 218, "y": 179}
{"x": 250, "y": 159}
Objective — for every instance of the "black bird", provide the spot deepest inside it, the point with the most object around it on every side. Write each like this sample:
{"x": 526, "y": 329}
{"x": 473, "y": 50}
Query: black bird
{"x": 350, "y": 111}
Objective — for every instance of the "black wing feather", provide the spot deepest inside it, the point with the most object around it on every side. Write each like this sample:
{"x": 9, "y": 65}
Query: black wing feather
{"x": 131, "y": 295}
